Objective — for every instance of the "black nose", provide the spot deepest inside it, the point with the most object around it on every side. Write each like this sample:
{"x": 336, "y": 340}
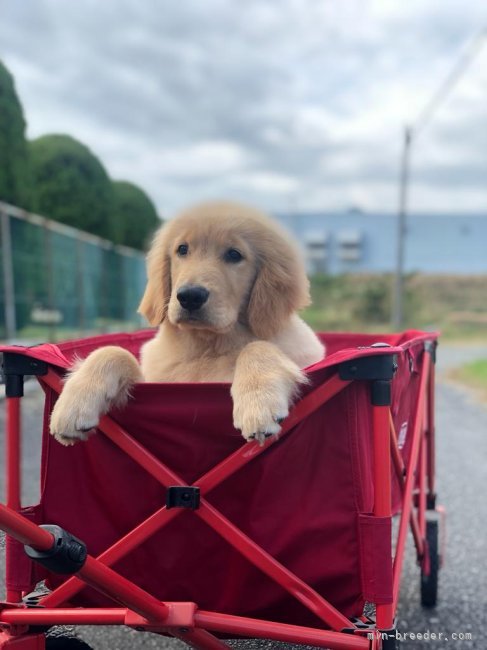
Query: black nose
{"x": 192, "y": 298}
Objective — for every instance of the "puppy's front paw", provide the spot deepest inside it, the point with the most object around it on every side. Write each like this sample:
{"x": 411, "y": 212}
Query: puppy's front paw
{"x": 74, "y": 416}
{"x": 259, "y": 413}
{"x": 98, "y": 383}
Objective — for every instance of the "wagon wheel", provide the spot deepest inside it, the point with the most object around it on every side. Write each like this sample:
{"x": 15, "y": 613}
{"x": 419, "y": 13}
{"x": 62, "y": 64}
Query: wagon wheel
{"x": 429, "y": 583}
{"x": 66, "y": 642}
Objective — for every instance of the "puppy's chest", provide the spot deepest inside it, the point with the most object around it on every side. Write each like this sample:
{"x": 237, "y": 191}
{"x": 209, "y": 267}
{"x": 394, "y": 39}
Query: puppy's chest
{"x": 220, "y": 369}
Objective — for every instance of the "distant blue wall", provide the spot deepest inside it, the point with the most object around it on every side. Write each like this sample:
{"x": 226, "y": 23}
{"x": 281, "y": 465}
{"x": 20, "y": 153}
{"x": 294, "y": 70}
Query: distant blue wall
{"x": 434, "y": 243}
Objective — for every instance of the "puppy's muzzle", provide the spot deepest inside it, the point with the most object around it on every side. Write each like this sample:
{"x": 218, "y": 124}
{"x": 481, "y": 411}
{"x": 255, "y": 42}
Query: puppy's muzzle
{"x": 192, "y": 298}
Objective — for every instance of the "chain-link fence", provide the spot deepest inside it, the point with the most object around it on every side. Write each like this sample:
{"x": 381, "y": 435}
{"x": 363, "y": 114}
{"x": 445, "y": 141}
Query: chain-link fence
{"x": 59, "y": 282}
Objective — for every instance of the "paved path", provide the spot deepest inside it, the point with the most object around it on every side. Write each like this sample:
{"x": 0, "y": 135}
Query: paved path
{"x": 462, "y": 480}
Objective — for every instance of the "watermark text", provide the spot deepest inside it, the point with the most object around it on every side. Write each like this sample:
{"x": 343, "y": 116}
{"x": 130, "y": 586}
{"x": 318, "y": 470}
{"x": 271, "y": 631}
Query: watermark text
{"x": 427, "y": 636}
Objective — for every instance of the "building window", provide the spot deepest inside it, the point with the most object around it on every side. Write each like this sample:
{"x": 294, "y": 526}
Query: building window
{"x": 316, "y": 252}
{"x": 350, "y": 245}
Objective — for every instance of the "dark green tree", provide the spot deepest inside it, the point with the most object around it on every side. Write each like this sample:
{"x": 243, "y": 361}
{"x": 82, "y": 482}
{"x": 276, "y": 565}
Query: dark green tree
{"x": 15, "y": 173}
{"x": 72, "y": 185}
{"x": 135, "y": 215}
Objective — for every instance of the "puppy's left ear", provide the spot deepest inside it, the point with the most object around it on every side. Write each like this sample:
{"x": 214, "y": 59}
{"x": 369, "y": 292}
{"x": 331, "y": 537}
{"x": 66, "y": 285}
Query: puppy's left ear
{"x": 280, "y": 288}
{"x": 158, "y": 290}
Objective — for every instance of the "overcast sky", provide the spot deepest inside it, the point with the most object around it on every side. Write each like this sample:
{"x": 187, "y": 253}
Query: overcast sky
{"x": 288, "y": 104}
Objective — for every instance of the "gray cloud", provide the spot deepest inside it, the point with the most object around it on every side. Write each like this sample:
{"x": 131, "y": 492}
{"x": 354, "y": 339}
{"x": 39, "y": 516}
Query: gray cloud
{"x": 298, "y": 102}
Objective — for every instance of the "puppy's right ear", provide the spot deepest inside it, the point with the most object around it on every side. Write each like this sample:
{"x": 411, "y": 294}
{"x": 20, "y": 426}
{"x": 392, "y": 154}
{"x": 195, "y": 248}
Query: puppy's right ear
{"x": 158, "y": 290}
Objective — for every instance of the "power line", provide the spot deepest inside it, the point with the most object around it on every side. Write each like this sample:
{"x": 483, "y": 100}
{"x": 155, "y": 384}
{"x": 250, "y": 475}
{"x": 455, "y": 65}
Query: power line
{"x": 410, "y": 134}
{"x": 458, "y": 70}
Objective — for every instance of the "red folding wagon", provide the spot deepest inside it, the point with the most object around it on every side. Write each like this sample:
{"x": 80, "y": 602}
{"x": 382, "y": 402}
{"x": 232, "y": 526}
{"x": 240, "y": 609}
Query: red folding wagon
{"x": 167, "y": 521}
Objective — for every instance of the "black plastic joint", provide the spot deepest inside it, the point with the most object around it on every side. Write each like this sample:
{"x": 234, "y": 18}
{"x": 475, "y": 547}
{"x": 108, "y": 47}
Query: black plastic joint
{"x": 14, "y": 386}
{"x": 379, "y": 366}
{"x": 430, "y": 347}
{"x": 67, "y": 555}
{"x": 381, "y": 392}
{"x": 183, "y": 497}
{"x": 15, "y": 367}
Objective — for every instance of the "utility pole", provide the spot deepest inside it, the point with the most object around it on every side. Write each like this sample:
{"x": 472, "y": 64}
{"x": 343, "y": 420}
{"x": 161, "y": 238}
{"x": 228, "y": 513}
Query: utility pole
{"x": 398, "y": 306}
{"x": 410, "y": 135}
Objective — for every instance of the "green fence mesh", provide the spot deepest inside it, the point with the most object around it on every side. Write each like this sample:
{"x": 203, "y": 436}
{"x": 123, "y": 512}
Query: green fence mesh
{"x": 67, "y": 283}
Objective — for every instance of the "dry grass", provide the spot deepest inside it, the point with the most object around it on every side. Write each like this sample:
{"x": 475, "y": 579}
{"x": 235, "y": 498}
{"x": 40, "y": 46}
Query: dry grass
{"x": 473, "y": 375}
{"x": 455, "y": 304}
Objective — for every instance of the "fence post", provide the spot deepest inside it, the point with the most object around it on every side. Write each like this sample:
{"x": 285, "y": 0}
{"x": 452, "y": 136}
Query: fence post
{"x": 80, "y": 284}
{"x": 8, "y": 276}
{"x": 51, "y": 298}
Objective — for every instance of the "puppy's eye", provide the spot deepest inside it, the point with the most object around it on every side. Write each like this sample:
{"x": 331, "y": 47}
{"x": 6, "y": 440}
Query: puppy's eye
{"x": 182, "y": 250}
{"x": 233, "y": 256}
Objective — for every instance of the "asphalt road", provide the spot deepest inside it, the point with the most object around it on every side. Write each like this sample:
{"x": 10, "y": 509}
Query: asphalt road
{"x": 462, "y": 480}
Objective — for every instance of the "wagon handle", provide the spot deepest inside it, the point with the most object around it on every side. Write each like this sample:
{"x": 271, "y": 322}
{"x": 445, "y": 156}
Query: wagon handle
{"x": 92, "y": 571}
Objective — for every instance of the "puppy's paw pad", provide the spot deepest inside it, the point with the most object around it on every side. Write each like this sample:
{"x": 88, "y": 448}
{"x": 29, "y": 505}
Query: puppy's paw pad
{"x": 69, "y": 440}
{"x": 262, "y": 437}
{"x": 279, "y": 419}
{"x": 257, "y": 426}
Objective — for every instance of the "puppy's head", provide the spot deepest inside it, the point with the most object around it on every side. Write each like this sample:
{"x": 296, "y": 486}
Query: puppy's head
{"x": 219, "y": 264}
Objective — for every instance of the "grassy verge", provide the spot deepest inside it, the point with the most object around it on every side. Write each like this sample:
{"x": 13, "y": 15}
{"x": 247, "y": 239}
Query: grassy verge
{"x": 456, "y": 305}
{"x": 474, "y": 375}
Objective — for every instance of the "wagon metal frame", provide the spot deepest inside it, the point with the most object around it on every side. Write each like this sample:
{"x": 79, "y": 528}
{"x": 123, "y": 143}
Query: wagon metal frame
{"x": 22, "y": 627}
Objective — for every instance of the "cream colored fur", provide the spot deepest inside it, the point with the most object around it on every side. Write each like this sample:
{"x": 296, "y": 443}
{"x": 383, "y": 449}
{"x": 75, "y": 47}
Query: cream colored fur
{"x": 247, "y": 333}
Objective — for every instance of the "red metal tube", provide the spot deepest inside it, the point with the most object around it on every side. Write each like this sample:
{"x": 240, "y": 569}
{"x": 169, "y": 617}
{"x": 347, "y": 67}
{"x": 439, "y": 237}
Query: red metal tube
{"x": 24, "y": 530}
{"x": 198, "y": 637}
{"x": 422, "y": 488}
{"x": 382, "y": 490}
{"x": 400, "y": 471}
{"x": 411, "y": 476}
{"x": 12, "y": 468}
{"x": 93, "y": 572}
{"x": 113, "y": 554}
{"x": 249, "y": 627}
{"x": 430, "y": 430}
{"x": 102, "y": 616}
{"x": 104, "y": 579}
{"x": 382, "y": 461}
{"x": 12, "y": 455}
{"x": 63, "y": 616}
{"x": 276, "y": 571}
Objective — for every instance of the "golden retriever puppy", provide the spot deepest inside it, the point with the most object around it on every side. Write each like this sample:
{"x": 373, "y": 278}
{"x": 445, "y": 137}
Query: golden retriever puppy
{"x": 224, "y": 285}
